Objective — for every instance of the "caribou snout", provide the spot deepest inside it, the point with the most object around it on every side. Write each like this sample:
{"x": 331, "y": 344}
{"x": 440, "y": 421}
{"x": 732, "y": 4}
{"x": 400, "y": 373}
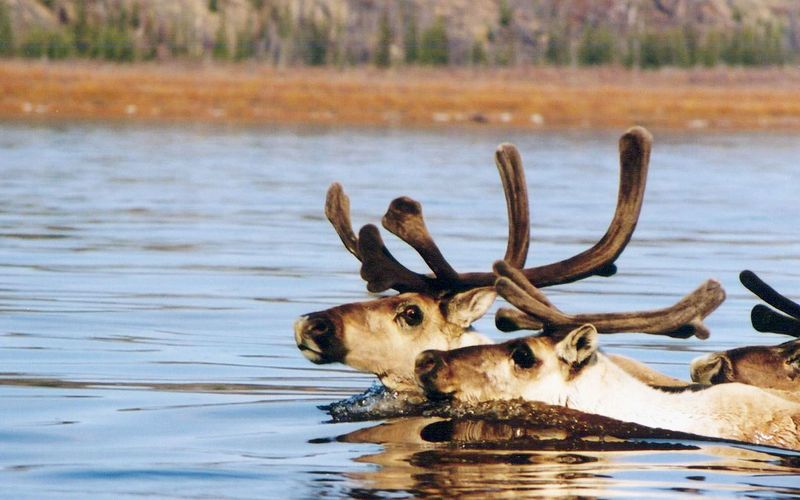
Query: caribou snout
{"x": 317, "y": 337}
{"x": 427, "y": 368}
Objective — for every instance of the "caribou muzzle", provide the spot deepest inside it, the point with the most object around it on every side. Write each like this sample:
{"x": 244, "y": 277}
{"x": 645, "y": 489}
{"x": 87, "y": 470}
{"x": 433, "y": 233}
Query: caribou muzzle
{"x": 318, "y": 337}
{"x": 427, "y": 368}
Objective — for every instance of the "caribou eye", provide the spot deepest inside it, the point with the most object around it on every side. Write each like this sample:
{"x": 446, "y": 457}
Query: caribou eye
{"x": 523, "y": 356}
{"x": 411, "y": 315}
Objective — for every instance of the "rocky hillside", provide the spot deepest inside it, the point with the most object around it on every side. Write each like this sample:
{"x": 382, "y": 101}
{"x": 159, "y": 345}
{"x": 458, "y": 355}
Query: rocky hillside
{"x": 459, "y": 32}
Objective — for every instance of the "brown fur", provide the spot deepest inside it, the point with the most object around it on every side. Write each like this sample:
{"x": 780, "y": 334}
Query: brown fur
{"x": 770, "y": 367}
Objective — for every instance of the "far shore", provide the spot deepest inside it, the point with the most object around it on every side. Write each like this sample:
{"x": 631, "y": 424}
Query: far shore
{"x": 532, "y": 97}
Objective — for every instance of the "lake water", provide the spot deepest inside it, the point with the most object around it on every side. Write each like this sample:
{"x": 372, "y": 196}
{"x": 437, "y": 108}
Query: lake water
{"x": 149, "y": 279}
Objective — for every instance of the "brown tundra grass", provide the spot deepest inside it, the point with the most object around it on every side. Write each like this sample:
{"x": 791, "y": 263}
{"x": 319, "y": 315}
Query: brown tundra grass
{"x": 721, "y": 98}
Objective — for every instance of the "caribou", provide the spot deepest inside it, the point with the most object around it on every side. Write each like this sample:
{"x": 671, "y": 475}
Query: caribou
{"x": 566, "y": 368}
{"x": 383, "y": 336}
{"x": 773, "y": 367}
{"x": 435, "y": 311}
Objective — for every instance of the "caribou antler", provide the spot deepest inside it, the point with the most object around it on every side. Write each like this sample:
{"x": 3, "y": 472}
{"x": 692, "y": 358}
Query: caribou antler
{"x": 765, "y": 319}
{"x": 682, "y": 320}
{"x": 404, "y": 219}
{"x": 634, "y": 157}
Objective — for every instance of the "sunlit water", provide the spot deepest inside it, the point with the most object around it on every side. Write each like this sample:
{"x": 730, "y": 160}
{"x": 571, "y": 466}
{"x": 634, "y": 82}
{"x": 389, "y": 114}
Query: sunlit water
{"x": 149, "y": 278}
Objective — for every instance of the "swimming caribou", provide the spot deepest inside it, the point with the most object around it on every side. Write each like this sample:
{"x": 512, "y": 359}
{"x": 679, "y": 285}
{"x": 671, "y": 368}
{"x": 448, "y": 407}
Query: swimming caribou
{"x": 565, "y": 368}
{"x": 383, "y": 336}
{"x": 773, "y": 367}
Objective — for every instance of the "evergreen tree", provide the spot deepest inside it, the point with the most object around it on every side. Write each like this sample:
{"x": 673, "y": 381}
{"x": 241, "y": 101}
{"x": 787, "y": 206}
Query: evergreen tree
{"x": 596, "y": 47}
{"x": 692, "y": 40}
{"x": 633, "y": 51}
{"x": 136, "y": 16}
{"x": 83, "y": 34}
{"x": 650, "y": 50}
{"x": 505, "y": 15}
{"x": 711, "y": 48}
{"x": 557, "y": 51}
{"x": 748, "y": 43}
{"x": 411, "y": 39}
{"x": 773, "y": 45}
{"x": 313, "y": 42}
{"x": 677, "y": 48}
{"x": 434, "y": 47}
{"x": 6, "y": 31}
{"x": 220, "y": 50}
{"x": 478, "y": 53}
{"x": 383, "y": 51}
{"x": 245, "y": 44}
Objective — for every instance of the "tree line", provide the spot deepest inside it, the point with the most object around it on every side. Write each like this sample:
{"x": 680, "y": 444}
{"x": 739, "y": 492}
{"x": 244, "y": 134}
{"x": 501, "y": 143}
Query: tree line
{"x": 275, "y": 36}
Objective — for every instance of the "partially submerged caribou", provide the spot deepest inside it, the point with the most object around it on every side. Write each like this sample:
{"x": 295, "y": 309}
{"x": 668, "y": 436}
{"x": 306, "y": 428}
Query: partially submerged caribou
{"x": 384, "y": 336}
{"x": 567, "y": 369}
{"x": 772, "y": 367}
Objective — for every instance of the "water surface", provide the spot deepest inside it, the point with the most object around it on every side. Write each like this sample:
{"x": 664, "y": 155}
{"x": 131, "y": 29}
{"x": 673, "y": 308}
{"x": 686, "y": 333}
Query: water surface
{"x": 149, "y": 279}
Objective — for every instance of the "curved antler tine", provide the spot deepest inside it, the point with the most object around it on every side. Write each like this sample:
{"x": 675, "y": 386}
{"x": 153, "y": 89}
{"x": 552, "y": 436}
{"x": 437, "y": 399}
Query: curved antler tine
{"x": 634, "y": 153}
{"x": 337, "y": 210}
{"x": 766, "y": 320}
{"x": 769, "y": 294}
{"x": 512, "y": 320}
{"x": 512, "y": 175}
{"x": 504, "y": 269}
{"x": 381, "y": 270}
{"x": 695, "y": 327}
{"x": 682, "y": 320}
{"x": 530, "y": 305}
{"x": 404, "y": 220}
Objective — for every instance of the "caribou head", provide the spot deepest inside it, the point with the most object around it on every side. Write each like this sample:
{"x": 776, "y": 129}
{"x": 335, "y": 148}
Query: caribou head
{"x": 772, "y": 367}
{"x": 564, "y": 367}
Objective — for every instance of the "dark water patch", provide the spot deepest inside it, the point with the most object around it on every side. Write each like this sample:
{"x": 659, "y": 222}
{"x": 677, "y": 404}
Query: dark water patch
{"x": 160, "y": 474}
{"x": 198, "y": 387}
{"x": 34, "y": 236}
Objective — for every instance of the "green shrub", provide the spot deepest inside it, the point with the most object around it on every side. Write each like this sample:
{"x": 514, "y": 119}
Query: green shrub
{"x": 596, "y": 47}
{"x": 52, "y": 44}
{"x": 434, "y": 47}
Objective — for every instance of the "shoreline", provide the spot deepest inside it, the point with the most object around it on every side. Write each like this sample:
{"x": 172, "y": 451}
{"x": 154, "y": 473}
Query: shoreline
{"x": 531, "y": 97}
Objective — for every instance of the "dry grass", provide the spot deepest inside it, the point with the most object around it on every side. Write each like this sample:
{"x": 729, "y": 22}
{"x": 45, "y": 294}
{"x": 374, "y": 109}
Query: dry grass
{"x": 532, "y": 97}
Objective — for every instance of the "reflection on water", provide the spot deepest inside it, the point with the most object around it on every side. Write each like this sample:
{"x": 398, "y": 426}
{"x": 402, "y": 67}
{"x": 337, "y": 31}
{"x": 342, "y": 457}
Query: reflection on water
{"x": 149, "y": 279}
{"x": 504, "y": 459}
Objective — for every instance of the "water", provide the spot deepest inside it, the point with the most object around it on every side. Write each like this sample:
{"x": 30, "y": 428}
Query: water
{"x": 149, "y": 278}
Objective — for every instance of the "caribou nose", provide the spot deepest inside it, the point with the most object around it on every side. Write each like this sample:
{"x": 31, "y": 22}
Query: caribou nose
{"x": 317, "y": 325}
{"x": 427, "y": 364}
{"x": 317, "y": 337}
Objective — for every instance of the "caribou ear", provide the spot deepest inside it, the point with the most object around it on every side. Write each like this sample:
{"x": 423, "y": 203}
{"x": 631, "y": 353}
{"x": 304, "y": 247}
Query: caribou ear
{"x": 466, "y": 307}
{"x": 791, "y": 353}
{"x": 714, "y": 368}
{"x": 578, "y": 346}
